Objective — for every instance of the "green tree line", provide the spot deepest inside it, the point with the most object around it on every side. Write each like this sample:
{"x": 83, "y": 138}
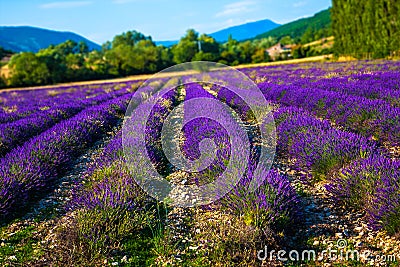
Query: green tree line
{"x": 129, "y": 53}
{"x": 366, "y": 28}
{"x": 304, "y": 30}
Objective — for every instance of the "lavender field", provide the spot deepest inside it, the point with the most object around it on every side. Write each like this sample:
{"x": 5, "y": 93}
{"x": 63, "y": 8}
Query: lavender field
{"x": 331, "y": 196}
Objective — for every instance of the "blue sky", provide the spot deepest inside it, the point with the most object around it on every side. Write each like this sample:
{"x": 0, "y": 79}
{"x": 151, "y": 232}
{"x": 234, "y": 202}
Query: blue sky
{"x": 100, "y": 20}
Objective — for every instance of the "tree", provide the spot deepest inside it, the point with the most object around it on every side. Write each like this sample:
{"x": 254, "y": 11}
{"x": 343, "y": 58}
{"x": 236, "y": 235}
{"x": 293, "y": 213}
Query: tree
{"x": 230, "y": 52}
{"x": 209, "y": 49}
{"x": 99, "y": 66}
{"x": 191, "y": 36}
{"x": 75, "y": 67}
{"x": 65, "y": 61}
{"x": 308, "y": 36}
{"x": 265, "y": 42}
{"x": 165, "y": 58}
{"x": 28, "y": 69}
{"x": 129, "y": 38}
{"x": 246, "y": 51}
{"x": 120, "y": 59}
{"x": 260, "y": 56}
{"x": 3, "y": 82}
{"x": 83, "y": 48}
{"x": 366, "y": 29}
{"x": 187, "y": 47}
{"x": 286, "y": 40}
{"x": 229, "y": 57}
{"x": 133, "y": 53}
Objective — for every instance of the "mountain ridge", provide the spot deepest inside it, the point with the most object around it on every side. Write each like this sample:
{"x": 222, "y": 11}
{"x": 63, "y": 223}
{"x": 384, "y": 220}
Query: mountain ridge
{"x": 239, "y": 32}
{"x": 32, "y": 39}
{"x": 243, "y": 31}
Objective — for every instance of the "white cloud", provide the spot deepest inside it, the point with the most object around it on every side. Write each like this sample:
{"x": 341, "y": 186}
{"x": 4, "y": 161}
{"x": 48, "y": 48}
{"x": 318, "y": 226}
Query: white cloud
{"x": 300, "y": 4}
{"x": 236, "y": 8}
{"x": 65, "y": 4}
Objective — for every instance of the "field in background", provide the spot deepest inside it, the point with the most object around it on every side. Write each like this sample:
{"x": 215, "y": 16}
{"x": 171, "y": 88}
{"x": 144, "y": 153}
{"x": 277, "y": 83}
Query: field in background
{"x": 148, "y": 76}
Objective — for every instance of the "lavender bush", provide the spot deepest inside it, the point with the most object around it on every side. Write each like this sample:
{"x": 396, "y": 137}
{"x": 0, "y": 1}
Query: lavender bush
{"x": 317, "y": 146}
{"x": 371, "y": 184}
{"x": 273, "y": 204}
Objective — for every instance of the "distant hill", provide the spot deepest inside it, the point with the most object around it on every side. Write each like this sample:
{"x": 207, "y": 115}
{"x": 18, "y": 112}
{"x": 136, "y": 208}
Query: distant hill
{"x": 238, "y": 32}
{"x": 26, "y": 38}
{"x": 320, "y": 22}
{"x": 244, "y": 31}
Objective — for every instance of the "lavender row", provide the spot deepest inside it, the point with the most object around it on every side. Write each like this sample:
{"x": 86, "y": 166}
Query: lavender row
{"x": 358, "y": 175}
{"x": 371, "y": 184}
{"x": 316, "y": 146}
{"x": 20, "y": 104}
{"x": 385, "y": 86}
{"x": 371, "y": 118}
{"x": 275, "y": 203}
{"x": 302, "y": 135}
{"x": 110, "y": 185}
{"x": 162, "y": 107}
{"x": 15, "y": 133}
{"x": 372, "y": 181}
{"x": 198, "y": 128}
{"x": 286, "y": 73}
{"x": 374, "y": 81}
{"x": 28, "y": 170}
{"x": 382, "y": 85}
{"x": 31, "y": 168}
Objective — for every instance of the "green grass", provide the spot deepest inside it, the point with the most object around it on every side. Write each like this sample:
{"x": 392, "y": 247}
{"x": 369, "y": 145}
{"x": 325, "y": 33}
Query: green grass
{"x": 139, "y": 247}
{"x": 21, "y": 245}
